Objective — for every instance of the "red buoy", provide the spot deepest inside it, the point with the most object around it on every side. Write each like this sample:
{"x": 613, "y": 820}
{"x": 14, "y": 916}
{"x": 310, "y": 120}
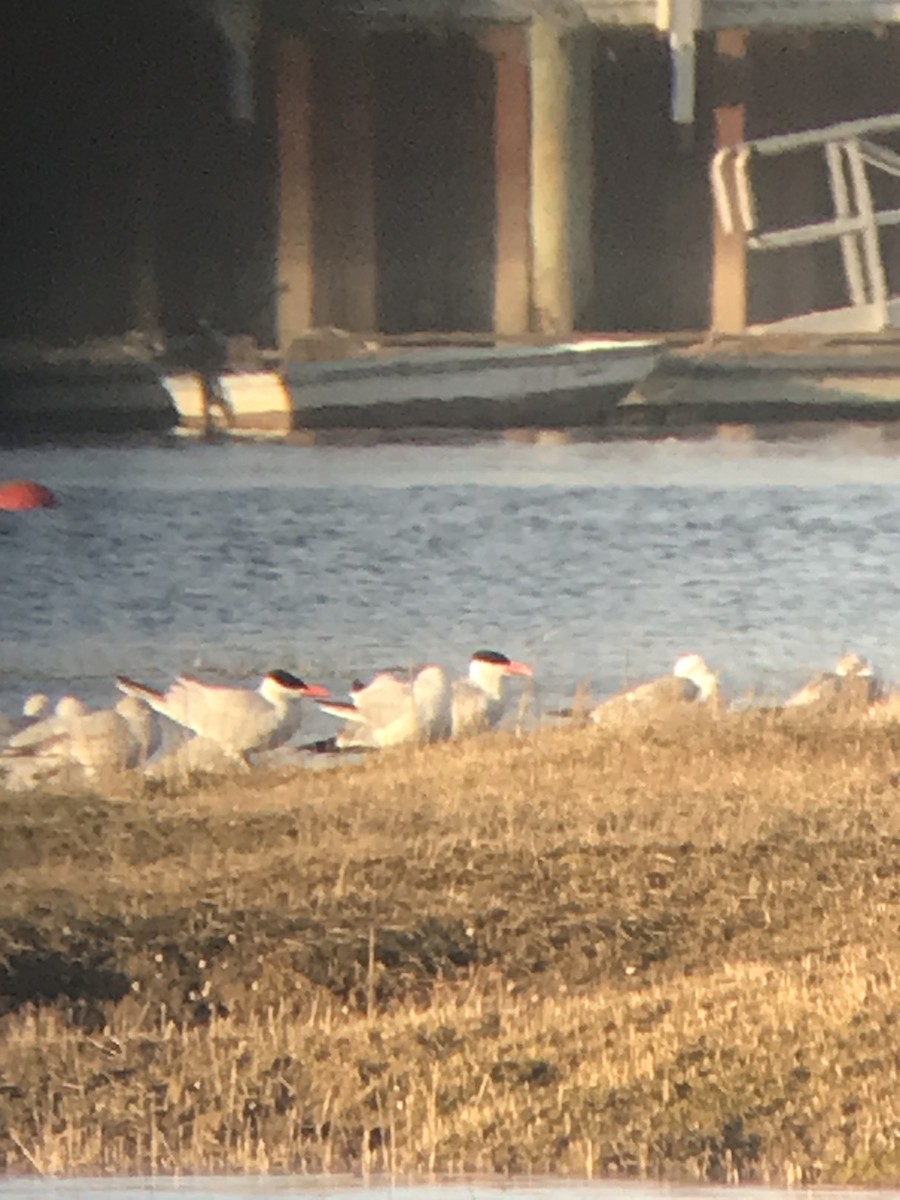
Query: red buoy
{"x": 24, "y": 493}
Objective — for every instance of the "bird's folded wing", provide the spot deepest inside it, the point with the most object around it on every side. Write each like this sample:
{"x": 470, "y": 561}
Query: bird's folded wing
{"x": 36, "y": 733}
{"x": 821, "y": 687}
{"x": 50, "y": 744}
{"x": 189, "y": 696}
{"x": 647, "y": 700}
{"x": 469, "y": 707}
{"x": 342, "y": 708}
{"x": 385, "y": 700}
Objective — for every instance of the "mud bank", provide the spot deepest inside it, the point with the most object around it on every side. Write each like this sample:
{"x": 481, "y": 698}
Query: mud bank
{"x": 670, "y": 955}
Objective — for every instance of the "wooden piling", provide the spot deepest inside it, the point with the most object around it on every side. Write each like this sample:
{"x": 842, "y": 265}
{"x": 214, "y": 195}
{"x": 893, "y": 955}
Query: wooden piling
{"x": 729, "y": 276}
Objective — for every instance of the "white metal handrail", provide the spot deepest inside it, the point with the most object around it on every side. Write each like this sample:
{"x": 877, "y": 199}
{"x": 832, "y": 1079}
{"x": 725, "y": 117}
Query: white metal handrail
{"x": 849, "y": 153}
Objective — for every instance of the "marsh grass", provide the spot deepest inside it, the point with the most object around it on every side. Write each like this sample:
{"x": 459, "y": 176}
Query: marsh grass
{"x": 669, "y": 953}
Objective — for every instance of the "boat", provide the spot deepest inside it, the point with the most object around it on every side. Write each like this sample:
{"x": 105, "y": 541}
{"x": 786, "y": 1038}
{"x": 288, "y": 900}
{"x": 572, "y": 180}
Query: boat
{"x": 554, "y": 385}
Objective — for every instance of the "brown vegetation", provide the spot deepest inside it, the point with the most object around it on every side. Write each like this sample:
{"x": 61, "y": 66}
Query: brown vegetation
{"x": 672, "y": 953}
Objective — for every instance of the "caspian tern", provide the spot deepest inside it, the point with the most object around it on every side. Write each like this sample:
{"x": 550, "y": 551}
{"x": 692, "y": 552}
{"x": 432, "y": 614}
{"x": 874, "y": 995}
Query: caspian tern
{"x": 81, "y": 743}
{"x": 691, "y": 682}
{"x": 238, "y": 719}
{"x": 394, "y": 708}
{"x": 479, "y": 700}
{"x": 853, "y": 683}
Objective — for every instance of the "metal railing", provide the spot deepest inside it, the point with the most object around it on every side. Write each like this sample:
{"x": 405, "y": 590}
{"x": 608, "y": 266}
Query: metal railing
{"x": 849, "y": 154}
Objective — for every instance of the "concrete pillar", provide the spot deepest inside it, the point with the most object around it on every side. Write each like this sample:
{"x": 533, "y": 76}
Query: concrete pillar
{"x": 551, "y": 96}
{"x": 543, "y": 162}
{"x": 729, "y": 281}
{"x": 346, "y": 256}
{"x": 293, "y": 92}
{"x": 508, "y": 46}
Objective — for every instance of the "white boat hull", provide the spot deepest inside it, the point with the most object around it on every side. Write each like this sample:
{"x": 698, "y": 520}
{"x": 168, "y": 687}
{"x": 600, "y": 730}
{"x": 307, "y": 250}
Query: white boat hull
{"x": 562, "y": 384}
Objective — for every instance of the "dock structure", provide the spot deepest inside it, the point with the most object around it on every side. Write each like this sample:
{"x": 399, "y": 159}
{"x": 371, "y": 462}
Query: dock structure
{"x": 539, "y": 167}
{"x": 855, "y": 161}
{"x": 519, "y": 171}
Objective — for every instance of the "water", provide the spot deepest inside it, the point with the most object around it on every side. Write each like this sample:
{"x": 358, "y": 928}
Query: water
{"x": 599, "y": 562}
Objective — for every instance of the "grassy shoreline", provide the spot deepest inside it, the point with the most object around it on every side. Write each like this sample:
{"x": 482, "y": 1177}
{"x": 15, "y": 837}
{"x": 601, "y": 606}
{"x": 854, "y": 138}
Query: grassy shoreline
{"x": 671, "y": 955}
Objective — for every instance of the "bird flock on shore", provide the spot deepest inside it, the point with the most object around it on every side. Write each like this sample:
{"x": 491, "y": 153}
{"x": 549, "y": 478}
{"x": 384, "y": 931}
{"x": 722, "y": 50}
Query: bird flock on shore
{"x": 210, "y": 726}
{"x": 220, "y": 728}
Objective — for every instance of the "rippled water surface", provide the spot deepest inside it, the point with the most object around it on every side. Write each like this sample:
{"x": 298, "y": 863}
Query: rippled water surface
{"x": 595, "y": 561}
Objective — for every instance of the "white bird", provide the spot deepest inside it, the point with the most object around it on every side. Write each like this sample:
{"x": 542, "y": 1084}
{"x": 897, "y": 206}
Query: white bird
{"x": 394, "y": 708}
{"x": 238, "y": 719}
{"x": 33, "y": 708}
{"x": 852, "y": 683}
{"x": 690, "y": 682}
{"x": 39, "y": 730}
{"x": 80, "y": 743}
{"x": 479, "y": 700}
{"x": 189, "y": 756}
{"x": 35, "y": 705}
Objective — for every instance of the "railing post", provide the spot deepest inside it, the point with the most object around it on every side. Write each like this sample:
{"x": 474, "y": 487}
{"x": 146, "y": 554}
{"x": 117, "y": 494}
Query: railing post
{"x": 729, "y": 281}
{"x": 870, "y": 239}
{"x": 853, "y": 268}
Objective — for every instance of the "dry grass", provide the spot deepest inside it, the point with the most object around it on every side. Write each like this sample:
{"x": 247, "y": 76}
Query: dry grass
{"x": 672, "y": 953}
